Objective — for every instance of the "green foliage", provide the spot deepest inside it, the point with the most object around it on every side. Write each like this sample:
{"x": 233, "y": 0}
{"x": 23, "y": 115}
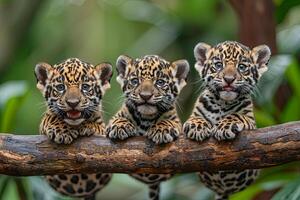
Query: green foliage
{"x": 101, "y": 30}
{"x": 291, "y": 191}
{"x": 283, "y": 9}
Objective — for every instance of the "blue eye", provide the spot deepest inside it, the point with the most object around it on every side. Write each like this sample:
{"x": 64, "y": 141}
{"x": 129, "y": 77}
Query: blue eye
{"x": 134, "y": 81}
{"x": 60, "y": 87}
{"x": 85, "y": 87}
{"x": 242, "y": 68}
{"x": 160, "y": 82}
{"x": 219, "y": 66}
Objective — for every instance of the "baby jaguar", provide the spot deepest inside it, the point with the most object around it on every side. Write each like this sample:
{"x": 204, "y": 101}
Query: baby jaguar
{"x": 230, "y": 72}
{"x": 150, "y": 86}
{"x": 73, "y": 91}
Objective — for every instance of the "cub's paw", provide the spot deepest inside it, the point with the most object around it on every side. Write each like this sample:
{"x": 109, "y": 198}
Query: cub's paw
{"x": 227, "y": 130}
{"x": 92, "y": 128}
{"x": 196, "y": 129}
{"x": 160, "y": 134}
{"x": 62, "y": 137}
{"x": 120, "y": 129}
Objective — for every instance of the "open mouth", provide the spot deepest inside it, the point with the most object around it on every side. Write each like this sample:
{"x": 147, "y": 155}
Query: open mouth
{"x": 74, "y": 114}
{"x": 228, "y": 88}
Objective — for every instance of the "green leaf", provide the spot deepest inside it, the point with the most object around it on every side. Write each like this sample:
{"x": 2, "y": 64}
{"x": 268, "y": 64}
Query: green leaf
{"x": 291, "y": 191}
{"x": 290, "y": 111}
{"x": 263, "y": 118}
{"x": 283, "y": 9}
{"x": 271, "y": 80}
{"x": 12, "y": 95}
{"x": 293, "y": 74}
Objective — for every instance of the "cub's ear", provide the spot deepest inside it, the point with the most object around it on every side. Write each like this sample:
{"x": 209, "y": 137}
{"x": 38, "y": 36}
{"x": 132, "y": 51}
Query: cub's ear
{"x": 200, "y": 52}
{"x": 261, "y": 55}
{"x": 182, "y": 69}
{"x": 104, "y": 70}
{"x": 122, "y": 63}
{"x": 42, "y": 72}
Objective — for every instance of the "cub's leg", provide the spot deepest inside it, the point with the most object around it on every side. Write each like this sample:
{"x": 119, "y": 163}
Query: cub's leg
{"x": 57, "y": 130}
{"x": 196, "y": 128}
{"x": 153, "y": 181}
{"x": 164, "y": 131}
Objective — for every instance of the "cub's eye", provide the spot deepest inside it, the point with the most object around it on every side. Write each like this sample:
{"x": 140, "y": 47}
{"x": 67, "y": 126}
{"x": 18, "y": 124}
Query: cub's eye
{"x": 85, "y": 87}
{"x": 242, "y": 68}
{"x": 60, "y": 87}
{"x": 134, "y": 81}
{"x": 219, "y": 66}
{"x": 160, "y": 82}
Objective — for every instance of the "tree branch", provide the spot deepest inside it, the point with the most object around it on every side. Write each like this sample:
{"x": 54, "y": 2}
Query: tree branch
{"x": 35, "y": 155}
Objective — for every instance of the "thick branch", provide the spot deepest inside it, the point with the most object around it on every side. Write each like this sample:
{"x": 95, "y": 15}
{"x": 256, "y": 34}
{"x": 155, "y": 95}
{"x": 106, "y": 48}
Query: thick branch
{"x": 35, "y": 155}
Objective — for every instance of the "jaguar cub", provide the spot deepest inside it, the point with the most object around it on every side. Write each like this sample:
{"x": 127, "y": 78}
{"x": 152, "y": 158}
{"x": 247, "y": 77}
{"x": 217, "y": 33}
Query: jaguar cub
{"x": 150, "y": 86}
{"x": 73, "y": 91}
{"x": 230, "y": 72}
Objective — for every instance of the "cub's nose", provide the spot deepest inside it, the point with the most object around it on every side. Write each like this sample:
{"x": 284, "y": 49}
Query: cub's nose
{"x": 73, "y": 102}
{"x": 146, "y": 95}
{"x": 229, "y": 79}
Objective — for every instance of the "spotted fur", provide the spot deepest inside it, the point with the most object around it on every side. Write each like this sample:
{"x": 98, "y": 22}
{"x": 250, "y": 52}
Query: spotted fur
{"x": 150, "y": 86}
{"x": 230, "y": 72}
{"x": 73, "y": 91}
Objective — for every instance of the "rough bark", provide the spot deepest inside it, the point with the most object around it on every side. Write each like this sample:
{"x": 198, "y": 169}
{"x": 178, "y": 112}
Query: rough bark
{"x": 35, "y": 155}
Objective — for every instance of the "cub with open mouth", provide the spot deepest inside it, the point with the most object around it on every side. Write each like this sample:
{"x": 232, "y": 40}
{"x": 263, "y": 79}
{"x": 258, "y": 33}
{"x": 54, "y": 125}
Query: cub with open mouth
{"x": 73, "y": 91}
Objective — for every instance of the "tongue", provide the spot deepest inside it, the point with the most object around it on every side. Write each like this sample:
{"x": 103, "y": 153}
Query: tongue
{"x": 73, "y": 114}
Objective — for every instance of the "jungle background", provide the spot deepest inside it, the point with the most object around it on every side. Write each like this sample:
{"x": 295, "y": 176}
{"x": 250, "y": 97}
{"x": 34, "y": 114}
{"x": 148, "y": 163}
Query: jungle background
{"x": 100, "y": 30}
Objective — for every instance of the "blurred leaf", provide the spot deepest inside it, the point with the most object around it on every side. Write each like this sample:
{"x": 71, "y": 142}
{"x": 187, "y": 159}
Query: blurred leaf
{"x": 291, "y": 110}
{"x": 293, "y": 74}
{"x": 11, "y": 89}
{"x": 12, "y": 94}
{"x": 271, "y": 80}
{"x": 288, "y": 40}
{"x": 248, "y": 193}
{"x": 11, "y": 191}
{"x": 283, "y": 9}
{"x": 291, "y": 191}
{"x": 263, "y": 118}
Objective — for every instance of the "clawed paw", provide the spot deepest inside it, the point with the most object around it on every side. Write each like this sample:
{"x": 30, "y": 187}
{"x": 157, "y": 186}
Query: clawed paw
{"x": 161, "y": 134}
{"x": 227, "y": 130}
{"x": 62, "y": 136}
{"x": 196, "y": 129}
{"x": 120, "y": 131}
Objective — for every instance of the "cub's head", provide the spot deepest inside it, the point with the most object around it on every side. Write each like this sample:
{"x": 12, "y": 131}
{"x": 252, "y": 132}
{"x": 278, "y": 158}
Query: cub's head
{"x": 151, "y": 84}
{"x": 230, "y": 69}
{"x": 73, "y": 89}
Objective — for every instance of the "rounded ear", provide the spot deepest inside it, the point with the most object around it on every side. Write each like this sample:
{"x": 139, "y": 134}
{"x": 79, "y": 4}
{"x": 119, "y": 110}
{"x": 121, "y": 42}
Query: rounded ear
{"x": 105, "y": 72}
{"x": 261, "y": 55}
{"x": 182, "y": 69}
{"x": 122, "y": 62}
{"x": 200, "y": 52}
{"x": 42, "y": 72}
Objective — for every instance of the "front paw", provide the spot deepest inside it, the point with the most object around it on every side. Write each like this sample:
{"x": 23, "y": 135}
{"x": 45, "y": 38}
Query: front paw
{"x": 162, "y": 134}
{"x": 196, "y": 129}
{"x": 227, "y": 130}
{"x": 120, "y": 131}
{"x": 66, "y": 137}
